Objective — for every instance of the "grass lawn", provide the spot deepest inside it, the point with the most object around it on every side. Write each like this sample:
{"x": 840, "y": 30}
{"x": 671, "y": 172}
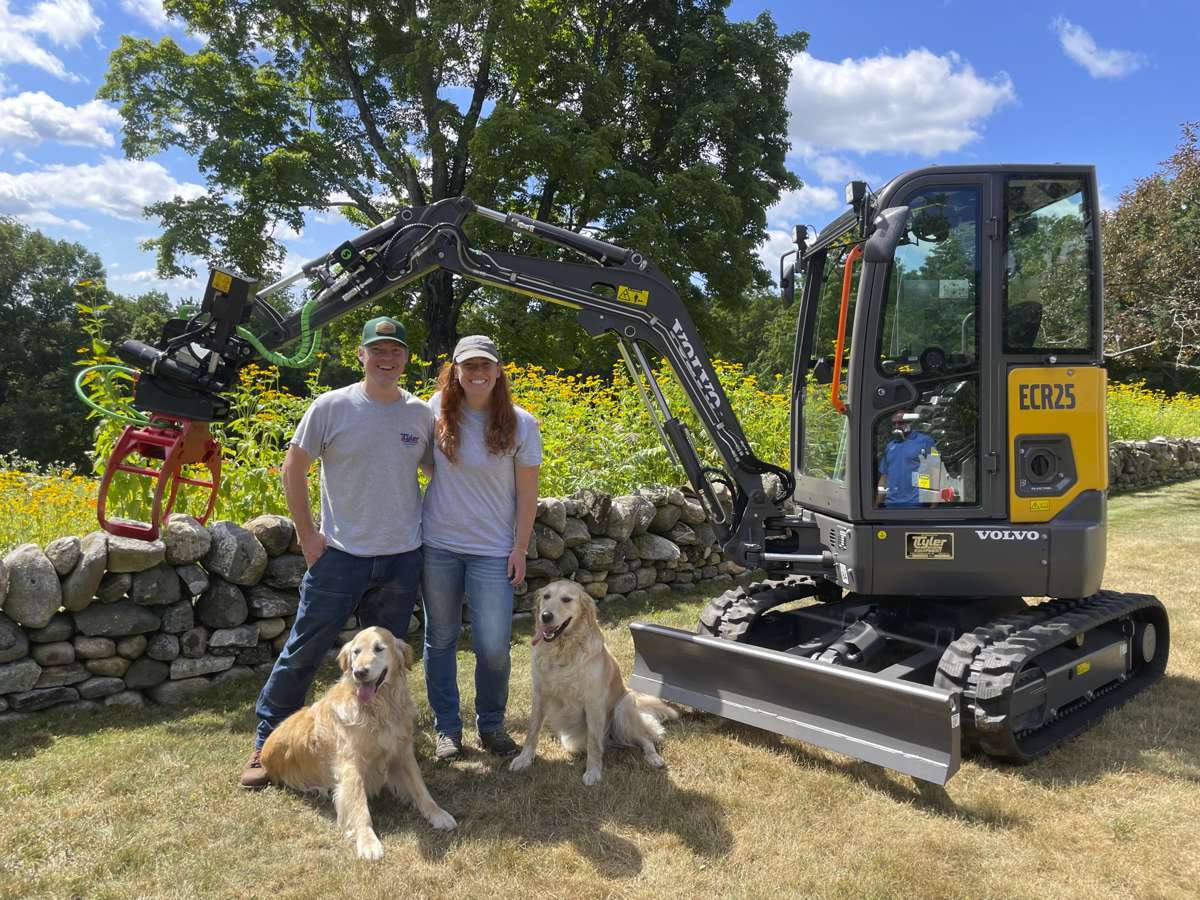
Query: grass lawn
{"x": 144, "y": 803}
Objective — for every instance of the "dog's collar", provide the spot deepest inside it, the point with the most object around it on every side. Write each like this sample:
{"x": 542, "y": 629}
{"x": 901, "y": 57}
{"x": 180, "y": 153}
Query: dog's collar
{"x": 548, "y": 638}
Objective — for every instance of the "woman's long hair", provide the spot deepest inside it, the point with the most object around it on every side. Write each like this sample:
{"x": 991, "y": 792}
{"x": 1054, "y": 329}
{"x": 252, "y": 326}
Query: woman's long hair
{"x": 500, "y": 429}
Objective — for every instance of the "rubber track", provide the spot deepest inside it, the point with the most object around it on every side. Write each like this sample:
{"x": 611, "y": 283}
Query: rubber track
{"x": 731, "y": 615}
{"x": 996, "y": 669}
{"x": 954, "y": 668}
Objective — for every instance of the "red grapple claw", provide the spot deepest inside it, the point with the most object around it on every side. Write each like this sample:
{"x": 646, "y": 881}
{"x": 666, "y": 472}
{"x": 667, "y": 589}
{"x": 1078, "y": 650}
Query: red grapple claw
{"x": 178, "y": 443}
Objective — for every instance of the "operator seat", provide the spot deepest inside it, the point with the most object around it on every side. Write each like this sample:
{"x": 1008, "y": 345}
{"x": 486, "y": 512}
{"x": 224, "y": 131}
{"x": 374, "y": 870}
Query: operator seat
{"x": 1024, "y": 319}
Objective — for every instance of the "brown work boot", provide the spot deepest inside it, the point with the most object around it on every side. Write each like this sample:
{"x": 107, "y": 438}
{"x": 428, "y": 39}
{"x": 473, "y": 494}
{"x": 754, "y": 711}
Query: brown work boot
{"x": 254, "y": 777}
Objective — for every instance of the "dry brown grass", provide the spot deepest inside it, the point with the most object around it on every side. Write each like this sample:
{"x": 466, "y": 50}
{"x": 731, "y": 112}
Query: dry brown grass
{"x": 144, "y": 803}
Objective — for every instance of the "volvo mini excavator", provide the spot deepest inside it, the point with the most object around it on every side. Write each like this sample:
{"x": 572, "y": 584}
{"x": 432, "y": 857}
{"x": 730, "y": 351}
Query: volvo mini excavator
{"x": 934, "y": 552}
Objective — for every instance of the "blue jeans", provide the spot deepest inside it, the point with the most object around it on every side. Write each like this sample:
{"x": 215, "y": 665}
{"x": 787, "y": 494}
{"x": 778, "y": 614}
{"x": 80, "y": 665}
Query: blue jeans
{"x": 489, "y": 596}
{"x": 382, "y": 588}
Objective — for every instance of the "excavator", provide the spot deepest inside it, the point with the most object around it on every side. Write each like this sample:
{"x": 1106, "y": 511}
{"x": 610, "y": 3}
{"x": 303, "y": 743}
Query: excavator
{"x": 934, "y": 552}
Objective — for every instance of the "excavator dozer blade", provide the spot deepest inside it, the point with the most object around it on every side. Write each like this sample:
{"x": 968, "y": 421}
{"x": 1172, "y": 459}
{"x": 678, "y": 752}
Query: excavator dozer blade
{"x": 911, "y": 728}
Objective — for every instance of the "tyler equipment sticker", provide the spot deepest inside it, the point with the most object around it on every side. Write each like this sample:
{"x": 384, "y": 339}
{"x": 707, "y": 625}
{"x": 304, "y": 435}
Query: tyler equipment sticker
{"x": 928, "y": 545}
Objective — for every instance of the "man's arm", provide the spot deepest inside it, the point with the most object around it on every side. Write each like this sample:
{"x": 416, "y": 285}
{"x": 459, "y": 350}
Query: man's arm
{"x": 527, "y": 495}
{"x": 295, "y": 489}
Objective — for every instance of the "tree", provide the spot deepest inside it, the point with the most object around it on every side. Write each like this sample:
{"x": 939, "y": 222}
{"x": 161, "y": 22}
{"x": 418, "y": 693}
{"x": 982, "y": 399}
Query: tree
{"x": 660, "y": 123}
{"x": 1152, "y": 266}
{"x": 39, "y": 416}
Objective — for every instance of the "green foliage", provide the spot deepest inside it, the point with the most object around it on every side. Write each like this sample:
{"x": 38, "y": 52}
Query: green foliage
{"x": 1136, "y": 413}
{"x": 663, "y": 123}
{"x": 1152, "y": 268}
{"x": 39, "y": 415}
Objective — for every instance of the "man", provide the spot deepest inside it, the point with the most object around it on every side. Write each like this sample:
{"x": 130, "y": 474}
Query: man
{"x": 371, "y": 437}
{"x": 901, "y": 462}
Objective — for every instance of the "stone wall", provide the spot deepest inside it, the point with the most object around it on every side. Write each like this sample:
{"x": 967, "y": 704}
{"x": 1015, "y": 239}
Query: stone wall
{"x": 1141, "y": 464}
{"x": 101, "y": 620}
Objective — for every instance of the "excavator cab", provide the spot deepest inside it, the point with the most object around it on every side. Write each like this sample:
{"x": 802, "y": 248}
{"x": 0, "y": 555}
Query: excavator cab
{"x": 977, "y": 297}
{"x": 950, "y": 459}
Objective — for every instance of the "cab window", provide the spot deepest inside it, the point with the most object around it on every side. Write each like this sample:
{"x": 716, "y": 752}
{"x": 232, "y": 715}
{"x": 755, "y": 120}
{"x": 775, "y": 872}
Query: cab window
{"x": 826, "y": 431}
{"x": 928, "y": 453}
{"x": 1048, "y": 265}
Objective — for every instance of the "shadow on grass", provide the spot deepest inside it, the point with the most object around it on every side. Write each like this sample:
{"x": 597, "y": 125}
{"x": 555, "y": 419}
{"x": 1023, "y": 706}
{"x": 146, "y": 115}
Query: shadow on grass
{"x": 549, "y": 805}
{"x": 1152, "y": 737}
{"x": 929, "y": 797}
{"x": 1154, "y": 741}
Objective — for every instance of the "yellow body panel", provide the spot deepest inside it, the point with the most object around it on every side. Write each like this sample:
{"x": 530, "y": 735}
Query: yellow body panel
{"x": 1058, "y": 400}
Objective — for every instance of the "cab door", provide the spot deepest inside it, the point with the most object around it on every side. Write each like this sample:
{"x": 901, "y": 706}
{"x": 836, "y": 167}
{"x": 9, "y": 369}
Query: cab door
{"x": 927, "y": 445}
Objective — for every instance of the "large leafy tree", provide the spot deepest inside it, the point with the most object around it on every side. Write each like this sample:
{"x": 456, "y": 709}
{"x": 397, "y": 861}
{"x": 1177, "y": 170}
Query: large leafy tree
{"x": 1152, "y": 266}
{"x": 660, "y": 123}
{"x": 41, "y": 280}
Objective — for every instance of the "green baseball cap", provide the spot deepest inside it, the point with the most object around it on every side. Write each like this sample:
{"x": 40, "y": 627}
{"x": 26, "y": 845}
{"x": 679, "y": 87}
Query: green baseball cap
{"x": 384, "y": 328}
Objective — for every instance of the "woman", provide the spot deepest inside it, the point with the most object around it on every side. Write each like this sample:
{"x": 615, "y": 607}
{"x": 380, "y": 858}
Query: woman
{"x": 476, "y": 521}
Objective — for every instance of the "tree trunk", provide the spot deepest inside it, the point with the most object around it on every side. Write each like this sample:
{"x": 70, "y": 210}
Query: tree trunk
{"x": 441, "y": 325}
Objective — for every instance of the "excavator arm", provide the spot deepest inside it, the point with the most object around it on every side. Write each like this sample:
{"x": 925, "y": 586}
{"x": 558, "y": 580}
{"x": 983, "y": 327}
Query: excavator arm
{"x": 613, "y": 290}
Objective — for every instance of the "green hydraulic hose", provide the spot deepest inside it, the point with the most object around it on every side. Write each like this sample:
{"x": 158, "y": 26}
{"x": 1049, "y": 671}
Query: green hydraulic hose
{"x": 134, "y": 418}
{"x": 304, "y": 355}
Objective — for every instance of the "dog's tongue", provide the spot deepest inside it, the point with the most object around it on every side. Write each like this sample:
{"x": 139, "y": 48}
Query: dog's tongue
{"x": 366, "y": 692}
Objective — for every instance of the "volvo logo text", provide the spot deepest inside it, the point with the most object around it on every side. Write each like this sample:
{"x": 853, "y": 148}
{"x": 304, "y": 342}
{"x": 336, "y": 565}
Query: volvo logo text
{"x": 996, "y": 534}
{"x": 710, "y": 392}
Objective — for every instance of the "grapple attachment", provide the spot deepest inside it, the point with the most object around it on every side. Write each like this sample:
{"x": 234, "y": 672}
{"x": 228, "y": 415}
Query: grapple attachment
{"x": 176, "y": 442}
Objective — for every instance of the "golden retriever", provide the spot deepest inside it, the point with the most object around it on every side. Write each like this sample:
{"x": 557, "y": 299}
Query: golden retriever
{"x": 578, "y": 690}
{"x": 357, "y": 739}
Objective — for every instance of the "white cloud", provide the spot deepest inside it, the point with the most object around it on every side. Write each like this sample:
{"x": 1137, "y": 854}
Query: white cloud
{"x": 63, "y": 23}
{"x": 149, "y": 11}
{"x": 918, "y": 103}
{"x": 838, "y": 169}
{"x": 40, "y": 217}
{"x": 148, "y": 280}
{"x": 115, "y": 187}
{"x": 35, "y": 116}
{"x": 796, "y": 207}
{"x": 1081, "y": 47}
{"x": 772, "y": 249}
{"x": 285, "y": 233}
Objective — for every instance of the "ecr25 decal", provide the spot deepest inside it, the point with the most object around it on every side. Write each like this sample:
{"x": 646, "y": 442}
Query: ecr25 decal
{"x": 1046, "y": 396}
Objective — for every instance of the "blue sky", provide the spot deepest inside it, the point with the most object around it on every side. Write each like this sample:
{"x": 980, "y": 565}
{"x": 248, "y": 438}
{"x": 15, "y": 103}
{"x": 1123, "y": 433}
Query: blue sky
{"x": 883, "y": 87}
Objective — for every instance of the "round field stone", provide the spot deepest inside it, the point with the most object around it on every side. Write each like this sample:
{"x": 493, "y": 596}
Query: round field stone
{"x": 132, "y": 647}
{"x": 99, "y": 687}
{"x": 80, "y": 586}
{"x": 185, "y": 540}
{"x": 108, "y": 667}
{"x": 60, "y": 653}
{"x": 13, "y": 643}
{"x": 145, "y": 673}
{"x": 34, "y": 591}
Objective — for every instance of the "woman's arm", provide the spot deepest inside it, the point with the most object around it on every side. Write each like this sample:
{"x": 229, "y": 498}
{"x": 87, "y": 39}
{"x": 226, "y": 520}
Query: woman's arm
{"x": 527, "y": 496}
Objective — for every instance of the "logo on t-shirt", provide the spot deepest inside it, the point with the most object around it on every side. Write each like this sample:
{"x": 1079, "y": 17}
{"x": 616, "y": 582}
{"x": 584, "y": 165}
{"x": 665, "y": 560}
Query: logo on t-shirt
{"x": 406, "y": 438}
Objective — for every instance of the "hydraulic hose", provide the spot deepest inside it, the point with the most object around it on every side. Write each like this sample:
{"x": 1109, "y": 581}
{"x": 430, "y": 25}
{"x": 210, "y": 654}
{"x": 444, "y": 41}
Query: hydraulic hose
{"x": 304, "y": 355}
{"x": 134, "y": 418}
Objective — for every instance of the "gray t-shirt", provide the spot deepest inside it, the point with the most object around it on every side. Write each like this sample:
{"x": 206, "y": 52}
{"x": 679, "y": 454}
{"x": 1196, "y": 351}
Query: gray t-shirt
{"x": 369, "y": 452}
{"x": 471, "y": 504}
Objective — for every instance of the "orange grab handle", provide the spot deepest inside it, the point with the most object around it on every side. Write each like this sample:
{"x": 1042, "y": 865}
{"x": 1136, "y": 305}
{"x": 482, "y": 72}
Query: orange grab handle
{"x": 847, "y": 273}
{"x": 177, "y": 442}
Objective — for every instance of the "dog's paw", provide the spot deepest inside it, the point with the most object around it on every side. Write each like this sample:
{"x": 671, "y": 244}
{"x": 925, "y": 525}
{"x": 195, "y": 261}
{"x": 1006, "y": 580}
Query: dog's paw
{"x": 368, "y": 846}
{"x": 521, "y": 763}
{"x": 591, "y": 776}
{"x": 442, "y": 820}
{"x": 655, "y": 760}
